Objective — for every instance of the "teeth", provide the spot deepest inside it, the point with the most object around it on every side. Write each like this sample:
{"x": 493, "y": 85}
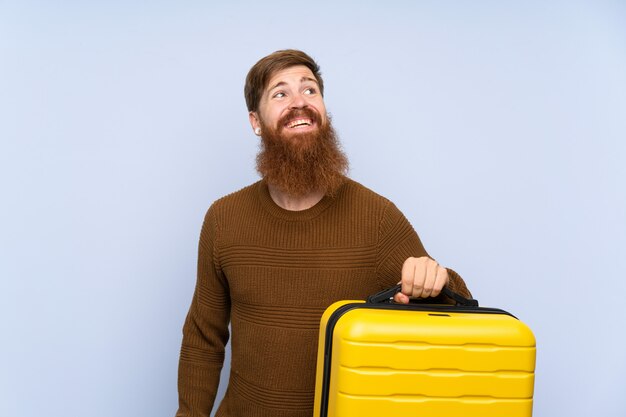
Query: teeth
{"x": 299, "y": 122}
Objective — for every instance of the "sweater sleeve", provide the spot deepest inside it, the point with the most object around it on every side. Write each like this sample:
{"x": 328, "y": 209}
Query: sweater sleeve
{"x": 397, "y": 241}
{"x": 205, "y": 332}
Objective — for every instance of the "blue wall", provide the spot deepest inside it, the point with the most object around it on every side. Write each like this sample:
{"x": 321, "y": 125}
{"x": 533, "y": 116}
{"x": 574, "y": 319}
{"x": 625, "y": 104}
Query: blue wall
{"x": 497, "y": 127}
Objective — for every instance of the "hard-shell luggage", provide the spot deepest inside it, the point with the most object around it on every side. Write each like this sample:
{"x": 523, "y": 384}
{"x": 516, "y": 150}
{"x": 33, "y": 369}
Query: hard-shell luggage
{"x": 379, "y": 358}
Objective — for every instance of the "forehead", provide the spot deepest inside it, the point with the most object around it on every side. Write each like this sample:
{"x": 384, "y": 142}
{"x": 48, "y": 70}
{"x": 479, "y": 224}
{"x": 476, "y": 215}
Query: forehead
{"x": 296, "y": 74}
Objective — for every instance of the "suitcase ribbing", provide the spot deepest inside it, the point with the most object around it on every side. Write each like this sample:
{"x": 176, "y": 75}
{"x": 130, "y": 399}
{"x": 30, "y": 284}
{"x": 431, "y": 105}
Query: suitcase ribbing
{"x": 387, "y": 359}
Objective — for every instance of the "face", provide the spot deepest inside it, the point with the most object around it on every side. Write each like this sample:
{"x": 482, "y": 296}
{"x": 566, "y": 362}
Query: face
{"x": 291, "y": 104}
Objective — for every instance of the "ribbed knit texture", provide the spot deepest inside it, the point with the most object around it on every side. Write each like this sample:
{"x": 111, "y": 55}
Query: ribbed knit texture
{"x": 271, "y": 273}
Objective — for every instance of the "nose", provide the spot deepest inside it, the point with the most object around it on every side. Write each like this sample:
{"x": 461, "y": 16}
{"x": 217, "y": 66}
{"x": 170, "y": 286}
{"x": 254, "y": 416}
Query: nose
{"x": 298, "y": 101}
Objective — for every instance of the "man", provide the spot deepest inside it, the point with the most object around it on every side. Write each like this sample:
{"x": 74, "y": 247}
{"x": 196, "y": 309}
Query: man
{"x": 275, "y": 254}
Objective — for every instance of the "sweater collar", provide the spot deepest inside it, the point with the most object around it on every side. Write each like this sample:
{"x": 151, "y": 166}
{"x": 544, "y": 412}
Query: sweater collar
{"x": 289, "y": 215}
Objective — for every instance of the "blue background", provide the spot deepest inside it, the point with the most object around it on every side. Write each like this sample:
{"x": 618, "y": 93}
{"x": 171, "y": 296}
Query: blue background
{"x": 498, "y": 127}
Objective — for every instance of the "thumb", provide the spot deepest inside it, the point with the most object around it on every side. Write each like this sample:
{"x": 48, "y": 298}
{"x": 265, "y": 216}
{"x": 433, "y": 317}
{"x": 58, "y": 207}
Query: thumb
{"x": 401, "y": 298}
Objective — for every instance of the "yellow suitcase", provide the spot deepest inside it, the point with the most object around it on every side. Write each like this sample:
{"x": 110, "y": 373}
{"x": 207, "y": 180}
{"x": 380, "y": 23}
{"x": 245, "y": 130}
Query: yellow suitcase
{"x": 379, "y": 358}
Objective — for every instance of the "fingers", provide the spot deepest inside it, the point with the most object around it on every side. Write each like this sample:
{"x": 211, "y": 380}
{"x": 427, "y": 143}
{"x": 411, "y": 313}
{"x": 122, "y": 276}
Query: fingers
{"x": 429, "y": 278}
{"x": 408, "y": 276}
{"x": 421, "y": 277}
{"x": 413, "y": 274}
{"x": 440, "y": 281}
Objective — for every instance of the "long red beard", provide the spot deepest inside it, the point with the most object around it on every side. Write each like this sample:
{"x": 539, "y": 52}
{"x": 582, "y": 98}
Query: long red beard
{"x": 301, "y": 163}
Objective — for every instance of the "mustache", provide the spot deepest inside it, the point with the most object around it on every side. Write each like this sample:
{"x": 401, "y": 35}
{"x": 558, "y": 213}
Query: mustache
{"x": 298, "y": 113}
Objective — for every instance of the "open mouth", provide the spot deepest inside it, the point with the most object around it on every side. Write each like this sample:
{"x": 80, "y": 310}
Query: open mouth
{"x": 299, "y": 123}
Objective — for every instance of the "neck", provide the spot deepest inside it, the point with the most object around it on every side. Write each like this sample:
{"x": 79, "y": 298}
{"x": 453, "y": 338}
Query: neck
{"x": 289, "y": 202}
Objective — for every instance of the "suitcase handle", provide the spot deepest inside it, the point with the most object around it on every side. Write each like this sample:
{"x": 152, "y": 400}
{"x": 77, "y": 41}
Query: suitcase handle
{"x": 385, "y": 295}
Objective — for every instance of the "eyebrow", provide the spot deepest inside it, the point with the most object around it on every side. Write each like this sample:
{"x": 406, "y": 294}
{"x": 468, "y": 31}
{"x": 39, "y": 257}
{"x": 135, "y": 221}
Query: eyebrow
{"x": 282, "y": 83}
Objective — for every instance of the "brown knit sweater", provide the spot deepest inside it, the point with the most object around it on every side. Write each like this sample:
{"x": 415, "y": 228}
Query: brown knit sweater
{"x": 271, "y": 273}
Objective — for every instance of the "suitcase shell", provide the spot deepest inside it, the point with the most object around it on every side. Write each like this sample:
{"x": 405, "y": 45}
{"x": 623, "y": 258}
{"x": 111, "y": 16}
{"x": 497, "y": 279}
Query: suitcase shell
{"x": 387, "y": 359}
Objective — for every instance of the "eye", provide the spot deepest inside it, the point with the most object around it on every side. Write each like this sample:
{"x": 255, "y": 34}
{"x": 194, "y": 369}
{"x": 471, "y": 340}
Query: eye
{"x": 280, "y": 94}
{"x": 310, "y": 91}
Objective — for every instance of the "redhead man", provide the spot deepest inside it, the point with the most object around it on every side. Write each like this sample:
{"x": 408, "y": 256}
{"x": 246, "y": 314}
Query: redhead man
{"x": 275, "y": 254}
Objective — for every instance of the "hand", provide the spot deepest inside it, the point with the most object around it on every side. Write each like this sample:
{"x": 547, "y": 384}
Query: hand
{"x": 421, "y": 277}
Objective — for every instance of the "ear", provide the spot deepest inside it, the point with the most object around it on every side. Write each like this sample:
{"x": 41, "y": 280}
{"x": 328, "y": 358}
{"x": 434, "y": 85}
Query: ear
{"x": 254, "y": 120}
